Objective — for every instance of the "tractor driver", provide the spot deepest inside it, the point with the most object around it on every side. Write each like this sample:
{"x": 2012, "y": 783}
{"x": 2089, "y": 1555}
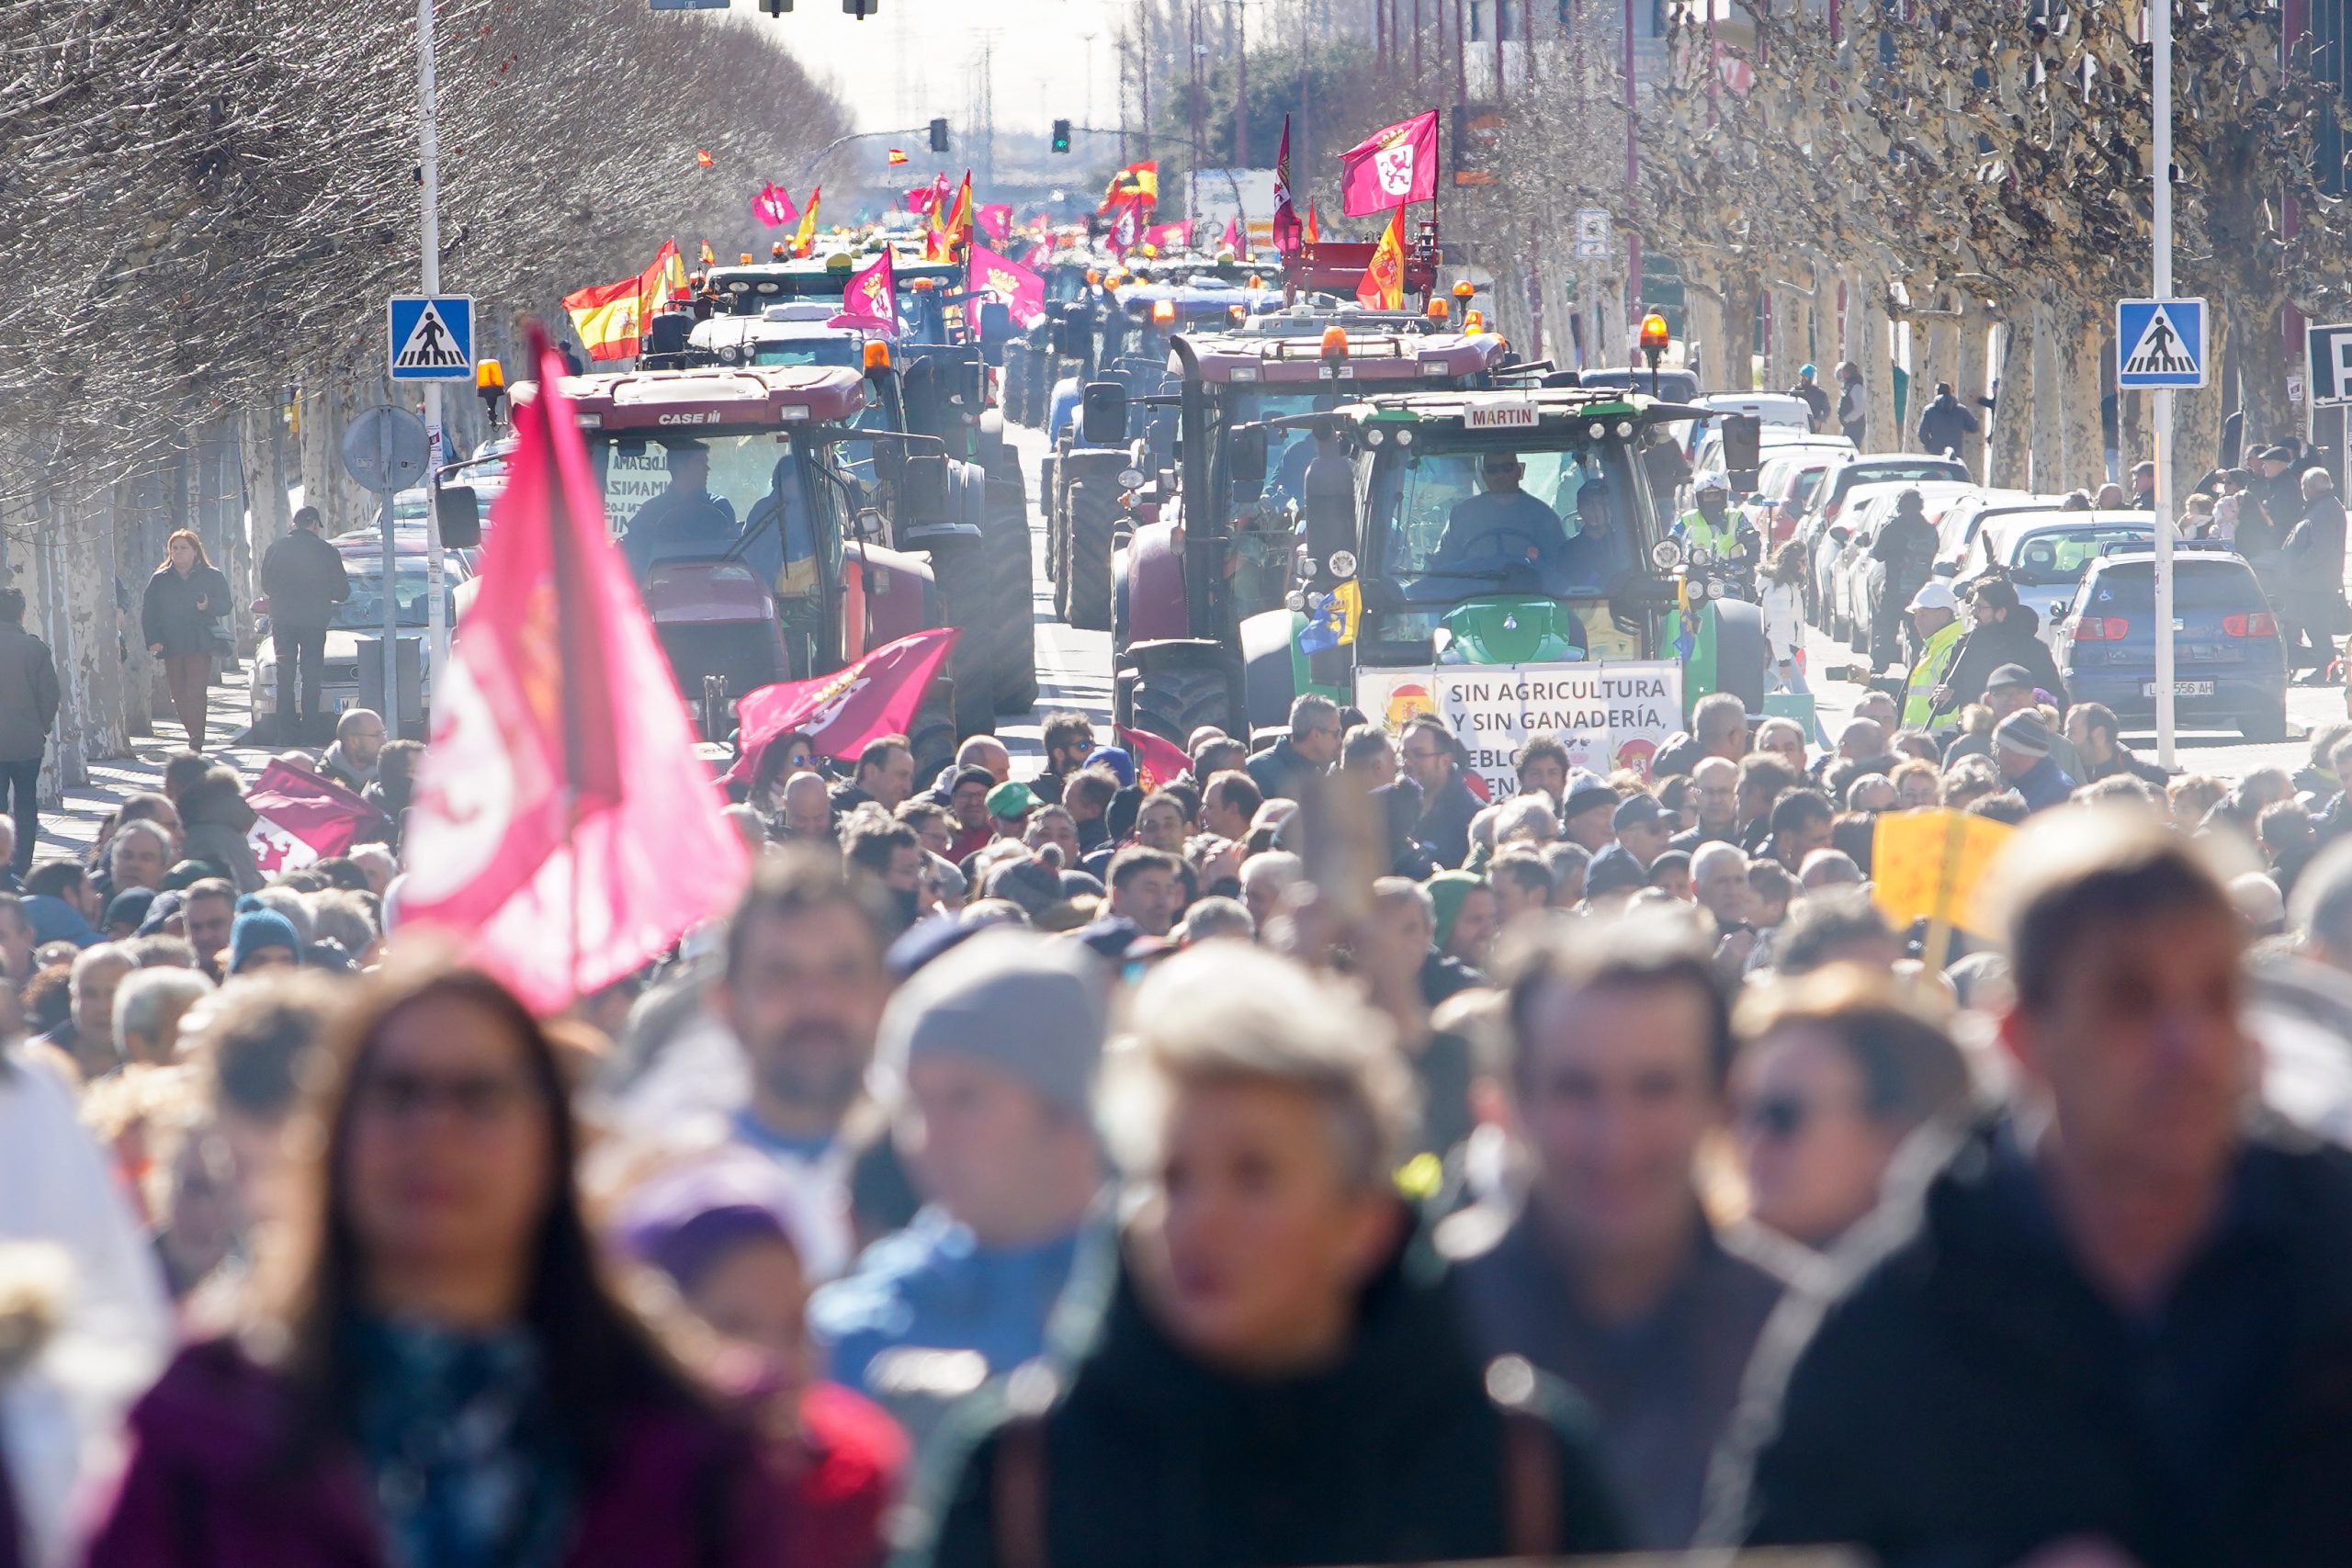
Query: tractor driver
{"x": 1501, "y": 525}
{"x": 683, "y": 520}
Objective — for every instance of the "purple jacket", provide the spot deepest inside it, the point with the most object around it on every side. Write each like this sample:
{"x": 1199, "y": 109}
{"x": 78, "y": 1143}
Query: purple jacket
{"x": 202, "y": 1489}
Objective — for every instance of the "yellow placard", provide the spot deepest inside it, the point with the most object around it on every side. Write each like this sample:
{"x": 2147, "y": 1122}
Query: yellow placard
{"x": 1929, "y": 864}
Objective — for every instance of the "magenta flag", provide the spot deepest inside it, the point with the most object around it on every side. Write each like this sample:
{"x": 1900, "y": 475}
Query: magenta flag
{"x": 1286, "y": 231}
{"x": 872, "y": 298}
{"x": 1169, "y": 236}
{"x": 1039, "y": 254}
{"x": 300, "y": 815}
{"x": 774, "y": 207}
{"x": 563, "y": 830}
{"x": 996, "y": 222}
{"x": 1233, "y": 240}
{"x": 840, "y": 713}
{"x": 1392, "y": 166}
{"x": 919, "y": 200}
{"x": 1022, "y": 291}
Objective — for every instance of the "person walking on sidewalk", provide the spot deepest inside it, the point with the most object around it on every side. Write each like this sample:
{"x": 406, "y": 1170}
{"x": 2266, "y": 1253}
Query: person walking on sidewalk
{"x": 28, "y": 713}
{"x": 186, "y": 601}
{"x": 305, "y": 580}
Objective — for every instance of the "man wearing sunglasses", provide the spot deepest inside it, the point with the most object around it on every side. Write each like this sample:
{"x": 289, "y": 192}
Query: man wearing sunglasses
{"x": 1501, "y": 525}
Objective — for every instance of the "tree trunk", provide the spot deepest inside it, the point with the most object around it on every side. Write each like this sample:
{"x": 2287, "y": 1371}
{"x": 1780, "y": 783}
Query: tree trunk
{"x": 2015, "y": 424}
{"x": 1703, "y": 321}
{"x": 2049, "y": 464}
{"x": 141, "y": 672}
{"x": 2262, "y": 355}
{"x": 1874, "y": 357}
{"x": 1971, "y": 382}
{"x": 1740, "y": 295}
{"x": 2082, "y": 449}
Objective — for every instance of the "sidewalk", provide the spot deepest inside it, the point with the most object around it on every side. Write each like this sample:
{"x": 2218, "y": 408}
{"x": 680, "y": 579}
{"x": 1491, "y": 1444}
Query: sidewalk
{"x": 71, "y": 832}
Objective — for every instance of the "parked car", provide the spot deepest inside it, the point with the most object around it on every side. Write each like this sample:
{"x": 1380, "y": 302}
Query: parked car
{"x": 361, "y": 615}
{"x": 1830, "y": 498}
{"x": 2044, "y": 554}
{"x": 1964, "y": 518}
{"x": 1786, "y": 484}
{"x": 1835, "y": 550}
{"x": 1772, "y": 438}
{"x": 2229, "y": 663}
{"x": 1866, "y": 578}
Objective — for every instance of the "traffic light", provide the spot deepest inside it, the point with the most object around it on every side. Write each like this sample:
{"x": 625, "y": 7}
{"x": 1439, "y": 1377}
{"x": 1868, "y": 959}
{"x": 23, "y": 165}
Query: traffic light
{"x": 1061, "y": 135}
{"x": 938, "y": 131}
{"x": 775, "y": 7}
{"x": 861, "y": 9}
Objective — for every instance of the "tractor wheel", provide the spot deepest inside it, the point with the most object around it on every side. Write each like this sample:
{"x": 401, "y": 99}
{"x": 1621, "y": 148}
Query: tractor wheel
{"x": 1014, "y": 380}
{"x": 1174, "y": 700}
{"x": 932, "y": 736}
{"x": 1004, "y": 544}
{"x": 1093, "y": 518}
{"x": 959, "y": 571}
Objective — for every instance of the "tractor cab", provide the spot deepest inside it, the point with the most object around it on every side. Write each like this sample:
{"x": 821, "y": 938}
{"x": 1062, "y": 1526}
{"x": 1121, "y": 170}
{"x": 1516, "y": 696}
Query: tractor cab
{"x": 750, "y": 289}
{"x": 772, "y": 537}
{"x": 1492, "y": 555}
{"x": 1224, "y": 546}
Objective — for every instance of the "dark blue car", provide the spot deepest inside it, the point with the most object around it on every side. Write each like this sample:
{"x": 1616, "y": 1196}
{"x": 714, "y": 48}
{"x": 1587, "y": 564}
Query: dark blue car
{"x": 2229, "y": 665}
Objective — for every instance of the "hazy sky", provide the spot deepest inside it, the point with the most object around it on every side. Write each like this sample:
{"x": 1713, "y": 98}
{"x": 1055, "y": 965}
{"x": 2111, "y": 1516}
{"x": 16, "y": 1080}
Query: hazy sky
{"x": 921, "y": 57}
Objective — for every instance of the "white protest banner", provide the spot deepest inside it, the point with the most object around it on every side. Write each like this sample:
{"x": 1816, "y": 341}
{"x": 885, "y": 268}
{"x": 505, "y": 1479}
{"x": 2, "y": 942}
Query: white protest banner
{"x": 1609, "y": 716}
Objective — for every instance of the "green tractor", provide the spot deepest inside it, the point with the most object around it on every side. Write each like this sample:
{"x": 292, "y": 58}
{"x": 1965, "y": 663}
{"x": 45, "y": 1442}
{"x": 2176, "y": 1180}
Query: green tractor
{"x": 1492, "y": 555}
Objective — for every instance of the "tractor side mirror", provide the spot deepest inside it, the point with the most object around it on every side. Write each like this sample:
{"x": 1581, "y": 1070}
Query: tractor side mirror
{"x": 1743, "y": 449}
{"x": 457, "y": 510}
{"x": 1330, "y": 506}
{"x": 996, "y": 322}
{"x": 922, "y": 492}
{"x": 1248, "y": 449}
{"x": 1102, "y": 414}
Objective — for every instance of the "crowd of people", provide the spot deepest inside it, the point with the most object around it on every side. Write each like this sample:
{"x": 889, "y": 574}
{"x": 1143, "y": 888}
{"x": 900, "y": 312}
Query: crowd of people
{"x": 1322, "y": 1155}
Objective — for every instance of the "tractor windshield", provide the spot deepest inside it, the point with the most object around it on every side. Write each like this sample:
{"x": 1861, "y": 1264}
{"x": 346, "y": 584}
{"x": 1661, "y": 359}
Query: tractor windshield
{"x": 1452, "y": 525}
{"x": 711, "y": 495}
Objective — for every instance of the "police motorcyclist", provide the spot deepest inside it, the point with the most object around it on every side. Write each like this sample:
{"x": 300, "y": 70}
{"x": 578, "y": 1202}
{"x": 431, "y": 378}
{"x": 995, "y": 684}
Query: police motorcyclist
{"x": 1710, "y": 525}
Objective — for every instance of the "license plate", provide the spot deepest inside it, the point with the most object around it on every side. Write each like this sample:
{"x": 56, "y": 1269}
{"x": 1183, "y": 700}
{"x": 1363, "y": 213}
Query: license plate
{"x": 2180, "y": 688}
{"x": 1499, "y": 416}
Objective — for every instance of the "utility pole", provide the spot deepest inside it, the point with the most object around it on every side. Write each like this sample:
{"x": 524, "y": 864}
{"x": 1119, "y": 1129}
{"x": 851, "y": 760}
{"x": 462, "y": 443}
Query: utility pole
{"x": 2160, "y": 17}
{"x": 428, "y": 179}
{"x": 1241, "y": 85}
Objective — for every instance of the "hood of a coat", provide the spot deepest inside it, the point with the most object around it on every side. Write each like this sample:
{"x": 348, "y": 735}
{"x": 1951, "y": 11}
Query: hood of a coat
{"x": 216, "y": 800}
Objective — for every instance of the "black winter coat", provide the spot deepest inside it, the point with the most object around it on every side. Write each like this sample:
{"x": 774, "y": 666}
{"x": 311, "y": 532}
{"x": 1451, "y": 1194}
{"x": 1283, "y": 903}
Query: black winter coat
{"x": 1147, "y": 1457}
{"x": 2015, "y": 639}
{"x": 1960, "y": 1396}
{"x": 179, "y": 611}
{"x": 305, "y": 579}
{"x": 1945, "y": 427}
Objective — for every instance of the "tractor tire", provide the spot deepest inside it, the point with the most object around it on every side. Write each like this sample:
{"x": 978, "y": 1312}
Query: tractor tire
{"x": 931, "y": 735}
{"x": 1004, "y": 544}
{"x": 1093, "y": 519}
{"x": 960, "y": 573}
{"x": 1174, "y": 700}
{"x": 1012, "y": 381}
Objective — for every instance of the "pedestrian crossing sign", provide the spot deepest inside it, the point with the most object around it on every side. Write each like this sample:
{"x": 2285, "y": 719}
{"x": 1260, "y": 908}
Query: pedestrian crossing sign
{"x": 432, "y": 337}
{"x": 2159, "y": 343}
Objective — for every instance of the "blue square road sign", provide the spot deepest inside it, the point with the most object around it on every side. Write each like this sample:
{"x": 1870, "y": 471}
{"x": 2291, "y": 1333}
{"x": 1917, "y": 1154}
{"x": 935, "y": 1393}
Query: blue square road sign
{"x": 2159, "y": 343}
{"x": 431, "y": 337}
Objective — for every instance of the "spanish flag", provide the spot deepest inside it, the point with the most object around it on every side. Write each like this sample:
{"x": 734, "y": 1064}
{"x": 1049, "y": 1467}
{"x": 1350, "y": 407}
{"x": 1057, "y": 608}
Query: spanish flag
{"x": 1382, "y": 287}
{"x": 610, "y": 317}
{"x": 897, "y": 157}
{"x": 708, "y": 259}
{"x": 1311, "y": 236}
{"x": 805, "y": 235}
{"x": 1137, "y": 183}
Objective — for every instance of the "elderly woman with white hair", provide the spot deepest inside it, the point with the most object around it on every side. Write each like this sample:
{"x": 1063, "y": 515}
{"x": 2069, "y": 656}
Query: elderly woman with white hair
{"x": 1280, "y": 1373}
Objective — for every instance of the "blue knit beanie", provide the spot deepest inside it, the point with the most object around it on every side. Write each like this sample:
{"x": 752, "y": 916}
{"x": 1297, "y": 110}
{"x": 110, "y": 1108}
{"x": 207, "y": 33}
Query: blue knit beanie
{"x": 259, "y": 926}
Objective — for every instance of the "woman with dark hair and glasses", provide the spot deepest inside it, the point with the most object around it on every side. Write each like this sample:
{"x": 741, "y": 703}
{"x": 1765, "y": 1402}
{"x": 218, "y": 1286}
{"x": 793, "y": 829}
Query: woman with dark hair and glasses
{"x": 1835, "y": 1070}
{"x": 438, "y": 1374}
